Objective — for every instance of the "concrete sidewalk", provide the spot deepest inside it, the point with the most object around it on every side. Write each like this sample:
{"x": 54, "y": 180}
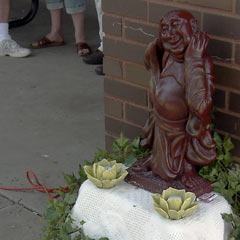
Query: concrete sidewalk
{"x": 51, "y": 118}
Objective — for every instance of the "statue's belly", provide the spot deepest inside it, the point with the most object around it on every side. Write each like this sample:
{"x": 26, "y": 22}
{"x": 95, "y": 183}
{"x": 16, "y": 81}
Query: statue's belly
{"x": 169, "y": 99}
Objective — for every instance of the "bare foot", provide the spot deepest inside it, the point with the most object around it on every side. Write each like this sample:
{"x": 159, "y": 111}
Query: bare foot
{"x": 54, "y": 38}
{"x": 190, "y": 178}
{"x": 83, "y": 49}
{"x": 192, "y": 181}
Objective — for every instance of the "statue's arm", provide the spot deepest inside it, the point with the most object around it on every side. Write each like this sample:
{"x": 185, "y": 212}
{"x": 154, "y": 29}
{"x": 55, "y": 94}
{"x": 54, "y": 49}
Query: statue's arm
{"x": 199, "y": 88}
{"x": 153, "y": 56}
{"x": 206, "y": 105}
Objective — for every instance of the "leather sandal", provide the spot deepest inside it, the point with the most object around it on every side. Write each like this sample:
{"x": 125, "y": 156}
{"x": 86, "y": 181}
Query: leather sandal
{"x": 83, "y": 46}
{"x": 94, "y": 58}
{"x": 45, "y": 42}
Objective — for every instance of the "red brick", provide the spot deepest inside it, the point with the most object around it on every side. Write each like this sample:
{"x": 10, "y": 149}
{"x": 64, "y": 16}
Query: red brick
{"x": 129, "y": 8}
{"x": 227, "y": 77}
{"x": 223, "y": 26}
{"x": 220, "y": 50}
{"x": 138, "y": 75}
{"x": 237, "y": 54}
{"x": 220, "y": 4}
{"x": 140, "y": 32}
{"x": 113, "y": 107}
{"x": 157, "y": 11}
{"x": 125, "y": 91}
{"x": 136, "y": 115}
{"x": 108, "y": 143}
{"x": 115, "y": 127}
{"x": 219, "y": 98}
{"x": 236, "y": 150}
{"x": 112, "y": 25}
{"x": 123, "y": 50}
{"x": 234, "y": 104}
{"x": 238, "y": 6}
{"x": 227, "y": 123}
{"x": 112, "y": 67}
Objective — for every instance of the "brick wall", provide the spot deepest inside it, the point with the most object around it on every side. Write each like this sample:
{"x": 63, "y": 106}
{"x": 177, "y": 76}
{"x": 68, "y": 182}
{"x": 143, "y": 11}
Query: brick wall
{"x": 130, "y": 25}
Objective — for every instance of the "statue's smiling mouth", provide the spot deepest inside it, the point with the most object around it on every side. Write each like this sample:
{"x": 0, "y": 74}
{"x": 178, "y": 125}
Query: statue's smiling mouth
{"x": 174, "y": 40}
{"x": 175, "y": 43}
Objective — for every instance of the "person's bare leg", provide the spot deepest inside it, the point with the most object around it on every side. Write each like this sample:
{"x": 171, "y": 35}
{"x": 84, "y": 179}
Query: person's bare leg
{"x": 56, "y": 33}
{"x": 4, "y": 10}
{"x": 78, "y": 22}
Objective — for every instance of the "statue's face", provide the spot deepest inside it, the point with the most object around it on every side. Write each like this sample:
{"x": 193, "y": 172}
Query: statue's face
{"x": 176, "y": 32}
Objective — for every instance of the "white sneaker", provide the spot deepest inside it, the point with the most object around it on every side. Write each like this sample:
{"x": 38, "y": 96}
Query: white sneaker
{"x": 9, "y": 47}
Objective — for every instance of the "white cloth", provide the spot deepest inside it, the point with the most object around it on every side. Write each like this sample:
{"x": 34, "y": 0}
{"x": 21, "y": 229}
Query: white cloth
{"x": 98, "y": 4}
{"x": 4, "y": 31}
{"x": 126, "y": 213}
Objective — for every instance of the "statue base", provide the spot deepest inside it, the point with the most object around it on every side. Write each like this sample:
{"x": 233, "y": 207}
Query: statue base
{"x": 148, "y": 181}
{"x": 127, "y": 213}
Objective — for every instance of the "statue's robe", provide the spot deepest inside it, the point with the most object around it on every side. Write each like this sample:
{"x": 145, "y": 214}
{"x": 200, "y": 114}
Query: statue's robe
{"x": 178, "y": 128}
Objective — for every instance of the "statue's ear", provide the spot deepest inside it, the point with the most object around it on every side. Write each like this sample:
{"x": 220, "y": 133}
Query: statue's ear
{"x": 194, "y": 25}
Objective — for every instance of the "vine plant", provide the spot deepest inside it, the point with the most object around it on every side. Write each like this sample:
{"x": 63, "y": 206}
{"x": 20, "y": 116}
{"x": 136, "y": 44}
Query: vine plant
{"x": 57, "y": 214}
{"x": 226, "y": 178}
{"x": 222, "y": 172}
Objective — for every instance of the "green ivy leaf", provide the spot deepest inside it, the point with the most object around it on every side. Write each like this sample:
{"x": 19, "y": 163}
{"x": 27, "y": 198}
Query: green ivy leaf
{"x": 220, "y": 156}
{"x": 66, "y": 237}
{"x": 121, "y": 142}
{"x": 227, "y": 144}
{"x": 238, "y": 188}
{"x": 68, "y": 227}
{"x": 130, "y": 160}
{"x": 236, "y": 233}
{"x": 70, "y": 198}
{"x": 217, "y": 139}
{"x": 136, "y": 143}
{"x": 52, "y": 214}
{"x": 82, "y": 175}
{"x": 227, "y": 217}
{"x": 228, "y": 195}
{"x": 232, "y": 176}
{"x": 227, "y": 160}
{"x": 115, "y": 148}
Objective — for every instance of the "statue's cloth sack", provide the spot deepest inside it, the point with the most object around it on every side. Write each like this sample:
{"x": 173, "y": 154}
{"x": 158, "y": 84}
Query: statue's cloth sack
{"x": 126, "y": 213}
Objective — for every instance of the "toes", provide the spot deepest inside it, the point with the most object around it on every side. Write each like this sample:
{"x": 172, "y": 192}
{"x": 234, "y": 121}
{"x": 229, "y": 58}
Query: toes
{"x": 83, "y": 51}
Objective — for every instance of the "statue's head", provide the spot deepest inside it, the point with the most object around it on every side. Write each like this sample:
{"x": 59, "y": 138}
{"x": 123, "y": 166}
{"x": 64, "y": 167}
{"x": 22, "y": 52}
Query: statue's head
{"x": 176, "y": 30}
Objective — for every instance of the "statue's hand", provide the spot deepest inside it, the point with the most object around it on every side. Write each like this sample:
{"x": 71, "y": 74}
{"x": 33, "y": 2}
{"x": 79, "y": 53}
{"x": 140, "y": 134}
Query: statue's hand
{"x": 151, "y": 57}
{"x": 197, "y": 46}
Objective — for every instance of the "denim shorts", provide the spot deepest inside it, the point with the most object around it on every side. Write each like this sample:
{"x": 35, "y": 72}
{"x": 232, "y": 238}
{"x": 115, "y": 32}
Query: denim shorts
{"x": 72, "y": 6}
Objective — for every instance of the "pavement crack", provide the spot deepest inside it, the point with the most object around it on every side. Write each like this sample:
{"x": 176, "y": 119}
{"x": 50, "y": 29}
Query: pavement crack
{"x": 18, "y": 202}
{"x": 29, "y": 209}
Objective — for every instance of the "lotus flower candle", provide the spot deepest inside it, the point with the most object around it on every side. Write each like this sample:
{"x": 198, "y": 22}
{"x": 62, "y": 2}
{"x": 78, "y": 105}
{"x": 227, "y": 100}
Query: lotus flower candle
{"x": 174, "y": 204}
{"x": 105, "y": 174}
